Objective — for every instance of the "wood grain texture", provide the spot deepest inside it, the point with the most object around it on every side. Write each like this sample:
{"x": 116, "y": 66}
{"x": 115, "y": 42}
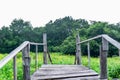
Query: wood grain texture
{"x": 78, "y": 51}
{"x": 26, "y": 62}
{"x": 103, "y": 59}
{"x": 54, "y": 72}
{"x": 45, "y": 48}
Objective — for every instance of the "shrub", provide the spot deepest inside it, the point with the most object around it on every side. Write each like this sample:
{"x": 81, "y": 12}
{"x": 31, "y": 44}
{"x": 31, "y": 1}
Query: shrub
{"x": 68, "y": 45}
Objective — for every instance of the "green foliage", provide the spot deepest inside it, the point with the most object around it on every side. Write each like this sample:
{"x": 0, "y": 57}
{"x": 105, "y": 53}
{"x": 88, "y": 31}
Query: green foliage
{"x": 59, "y": 58}
{"x": 60, "y": 29}
{"x": 114, "y": 67}
{"x": 115, "y": 71}
{"x": 68, "y": 45}
{"x": 60, "y": 35}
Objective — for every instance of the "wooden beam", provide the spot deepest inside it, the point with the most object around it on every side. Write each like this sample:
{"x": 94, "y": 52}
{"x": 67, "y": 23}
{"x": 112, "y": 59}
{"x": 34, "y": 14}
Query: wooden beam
{"x": 26, "y": 62}
{"x": 99, "y": 36}
{"x": 33, "y": 43}
{"x": 50, "y": 59}
{"x": 103, "y": 59}
{"x": 45, "y": 48}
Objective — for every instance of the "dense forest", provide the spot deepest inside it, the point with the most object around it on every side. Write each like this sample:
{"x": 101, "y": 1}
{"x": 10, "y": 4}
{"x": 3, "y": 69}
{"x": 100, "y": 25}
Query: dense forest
{"x": 61, "y": 34}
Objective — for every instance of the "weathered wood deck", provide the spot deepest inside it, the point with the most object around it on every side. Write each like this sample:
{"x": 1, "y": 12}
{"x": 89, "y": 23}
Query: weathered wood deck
{"x": 64, "y": 72}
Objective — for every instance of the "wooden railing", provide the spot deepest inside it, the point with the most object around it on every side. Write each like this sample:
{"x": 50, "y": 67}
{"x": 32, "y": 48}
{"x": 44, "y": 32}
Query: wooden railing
{"x": 103, "y": 51}
{"x": 25, "y": 48}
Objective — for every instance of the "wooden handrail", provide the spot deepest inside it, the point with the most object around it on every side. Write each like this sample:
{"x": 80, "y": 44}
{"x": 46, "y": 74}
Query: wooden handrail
{"x": 108, "y": 38}
{"x": 103, "y": 51}
{"x": 33, "y": 43}
{"x": 112, "y": 41}
{"x": 13, "y": 53}
{"x": 25, "y": 48}
{"x": 99, "y": 36}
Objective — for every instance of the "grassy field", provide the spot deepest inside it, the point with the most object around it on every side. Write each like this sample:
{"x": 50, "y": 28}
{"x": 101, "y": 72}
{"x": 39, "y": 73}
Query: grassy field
{"x": 6, "y": 73}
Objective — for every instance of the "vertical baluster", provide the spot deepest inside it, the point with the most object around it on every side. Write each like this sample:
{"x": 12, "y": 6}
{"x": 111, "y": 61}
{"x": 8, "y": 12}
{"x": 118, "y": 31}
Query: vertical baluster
{"x": 36, "y": 58}
{"x": 14, "y": 68}
{"x": 88, "y": 47}
{"x": 119, "y": 52}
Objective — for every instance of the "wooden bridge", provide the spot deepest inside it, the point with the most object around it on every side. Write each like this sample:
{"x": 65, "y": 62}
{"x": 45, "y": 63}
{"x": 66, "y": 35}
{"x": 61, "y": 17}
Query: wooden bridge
{"x": 61, "y": 72}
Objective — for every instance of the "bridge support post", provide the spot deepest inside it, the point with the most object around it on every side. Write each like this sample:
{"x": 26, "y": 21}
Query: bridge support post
{"x": 78, "y": 50}
{"x": 103, "y": 59}
{"x": 45, "y": 48}
{"x": 26, "y": 62}
{"x": 88, "y": 48}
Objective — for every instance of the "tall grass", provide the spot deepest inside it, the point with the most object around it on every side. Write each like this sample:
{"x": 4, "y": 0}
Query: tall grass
{"x": 6, "y": 73}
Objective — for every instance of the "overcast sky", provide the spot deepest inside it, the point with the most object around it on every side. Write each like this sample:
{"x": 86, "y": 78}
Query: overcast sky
{"x": 40, "y": 12}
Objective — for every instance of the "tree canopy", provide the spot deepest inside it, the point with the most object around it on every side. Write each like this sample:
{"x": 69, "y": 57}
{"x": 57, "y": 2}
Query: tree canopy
{"x": 61, "y": 34}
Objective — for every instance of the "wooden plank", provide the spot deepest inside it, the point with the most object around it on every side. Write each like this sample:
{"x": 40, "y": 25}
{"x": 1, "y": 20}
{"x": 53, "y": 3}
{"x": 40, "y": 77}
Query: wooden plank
{"x": 62, "y": 71}
{"x": 67, "y": 75}
{"x": 73, "y": 78}
{"x": 63, "y": 66}
{"x": 12, "y": 54}
{"x": 81, "y": 78}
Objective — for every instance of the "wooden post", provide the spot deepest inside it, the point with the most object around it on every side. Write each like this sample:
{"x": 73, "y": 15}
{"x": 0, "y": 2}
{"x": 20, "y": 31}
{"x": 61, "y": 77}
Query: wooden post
{"x": 78, "y": 50}
{"x": 36, "y": 57}
{"x": 88, "y": 47}
{"x": 14, "y": 68}
{"x": 26, "y": 62}
{"x": 45, "y": 48}
{"x": 103, "y": 59}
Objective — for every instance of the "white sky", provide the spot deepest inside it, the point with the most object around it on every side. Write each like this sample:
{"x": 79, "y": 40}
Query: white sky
{"x": 40, "y": 12}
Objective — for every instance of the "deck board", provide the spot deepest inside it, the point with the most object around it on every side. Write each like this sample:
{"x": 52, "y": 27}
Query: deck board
{"x": 64, "y": 72}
